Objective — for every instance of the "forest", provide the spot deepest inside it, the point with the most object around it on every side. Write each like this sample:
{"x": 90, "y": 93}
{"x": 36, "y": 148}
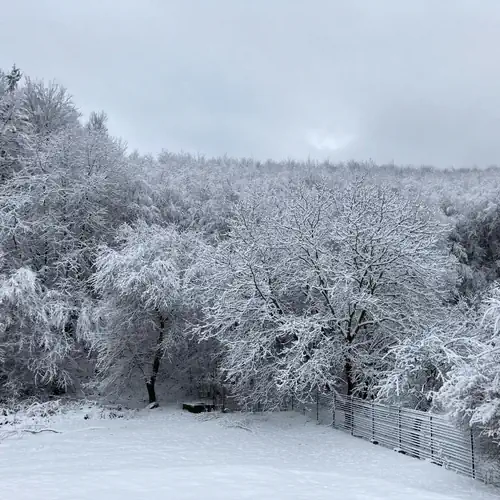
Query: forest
{"x": 121, "y": 270}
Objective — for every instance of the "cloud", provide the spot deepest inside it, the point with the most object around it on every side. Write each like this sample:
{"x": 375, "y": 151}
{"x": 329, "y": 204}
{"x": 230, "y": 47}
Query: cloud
{"x": 403, "y": 79}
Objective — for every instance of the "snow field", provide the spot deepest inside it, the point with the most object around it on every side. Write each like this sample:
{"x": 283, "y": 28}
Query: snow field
{"x": 168, "y": 454}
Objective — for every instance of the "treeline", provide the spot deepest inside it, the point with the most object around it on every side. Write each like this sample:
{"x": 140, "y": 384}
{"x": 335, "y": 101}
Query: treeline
{"x": 275, "y": 278}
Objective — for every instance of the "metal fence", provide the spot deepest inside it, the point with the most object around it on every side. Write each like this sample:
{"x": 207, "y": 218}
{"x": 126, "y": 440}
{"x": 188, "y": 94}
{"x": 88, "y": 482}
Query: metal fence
{"x": 415, "y": 433}
{"x": 418, "y": 434}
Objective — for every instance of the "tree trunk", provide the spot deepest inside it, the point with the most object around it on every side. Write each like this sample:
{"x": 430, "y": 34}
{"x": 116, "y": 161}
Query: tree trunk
{"x": 349, "y": 415}
{"x": 348, "y": 377}
{"x": 150, "y": 384}
{"x": 348, "y": 363}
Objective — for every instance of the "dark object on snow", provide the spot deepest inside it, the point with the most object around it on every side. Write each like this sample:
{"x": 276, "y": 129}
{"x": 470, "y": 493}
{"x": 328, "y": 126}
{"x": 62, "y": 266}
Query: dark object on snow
{"x": 198, "y": 407}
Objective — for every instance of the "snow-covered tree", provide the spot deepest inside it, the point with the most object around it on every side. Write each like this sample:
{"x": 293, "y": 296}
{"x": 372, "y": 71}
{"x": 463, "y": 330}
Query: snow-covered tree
{"x": 49, "y": 107}
{"x": 476, "y": 243}
{"x": 471, "y": 392}
{"x": 422, "y": 361}
{"x": 315, "y": 285}
{"x": 53, "y": 211}
{"x": 147, "y": 297}
{"x": 15, "y": 129}
{"x": 35, "y": 348}
{"x": 97, "y": 121}
{"x": 60, "y": 197}
{"x": 13, "y": 78}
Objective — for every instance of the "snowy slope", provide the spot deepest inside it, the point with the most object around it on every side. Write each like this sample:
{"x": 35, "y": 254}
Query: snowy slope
{"x": 167, "y": 454}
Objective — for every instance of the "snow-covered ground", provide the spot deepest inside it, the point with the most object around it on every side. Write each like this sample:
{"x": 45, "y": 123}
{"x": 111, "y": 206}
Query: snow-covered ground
{"x": 168, "y": 454}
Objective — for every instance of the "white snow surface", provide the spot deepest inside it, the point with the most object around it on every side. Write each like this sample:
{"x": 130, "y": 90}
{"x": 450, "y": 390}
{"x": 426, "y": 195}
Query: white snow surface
{"x": 174, "y": 455}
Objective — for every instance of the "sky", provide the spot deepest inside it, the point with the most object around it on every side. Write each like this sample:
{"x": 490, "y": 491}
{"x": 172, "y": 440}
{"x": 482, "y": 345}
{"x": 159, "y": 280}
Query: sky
{"x": 404, "y": 81}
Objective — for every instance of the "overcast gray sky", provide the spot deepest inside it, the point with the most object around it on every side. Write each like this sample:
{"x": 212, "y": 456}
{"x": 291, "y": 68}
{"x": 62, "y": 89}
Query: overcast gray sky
{"x": 410, "y": 81}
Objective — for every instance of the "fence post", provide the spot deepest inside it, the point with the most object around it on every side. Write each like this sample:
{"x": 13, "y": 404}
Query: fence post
{"x": 373, "y": 422}
{"x": 432, "y": 437}
{"x": 399, "y": 428}
{"x": 352, "y": 416}
{"x": 334, "y": 410}
{"x": 317, "y": 405}
{"x": 473, "y": 458}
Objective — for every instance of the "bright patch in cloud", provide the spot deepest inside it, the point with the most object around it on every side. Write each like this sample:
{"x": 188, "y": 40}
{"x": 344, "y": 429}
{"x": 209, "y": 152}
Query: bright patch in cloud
{"x": 325, "y": 141}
